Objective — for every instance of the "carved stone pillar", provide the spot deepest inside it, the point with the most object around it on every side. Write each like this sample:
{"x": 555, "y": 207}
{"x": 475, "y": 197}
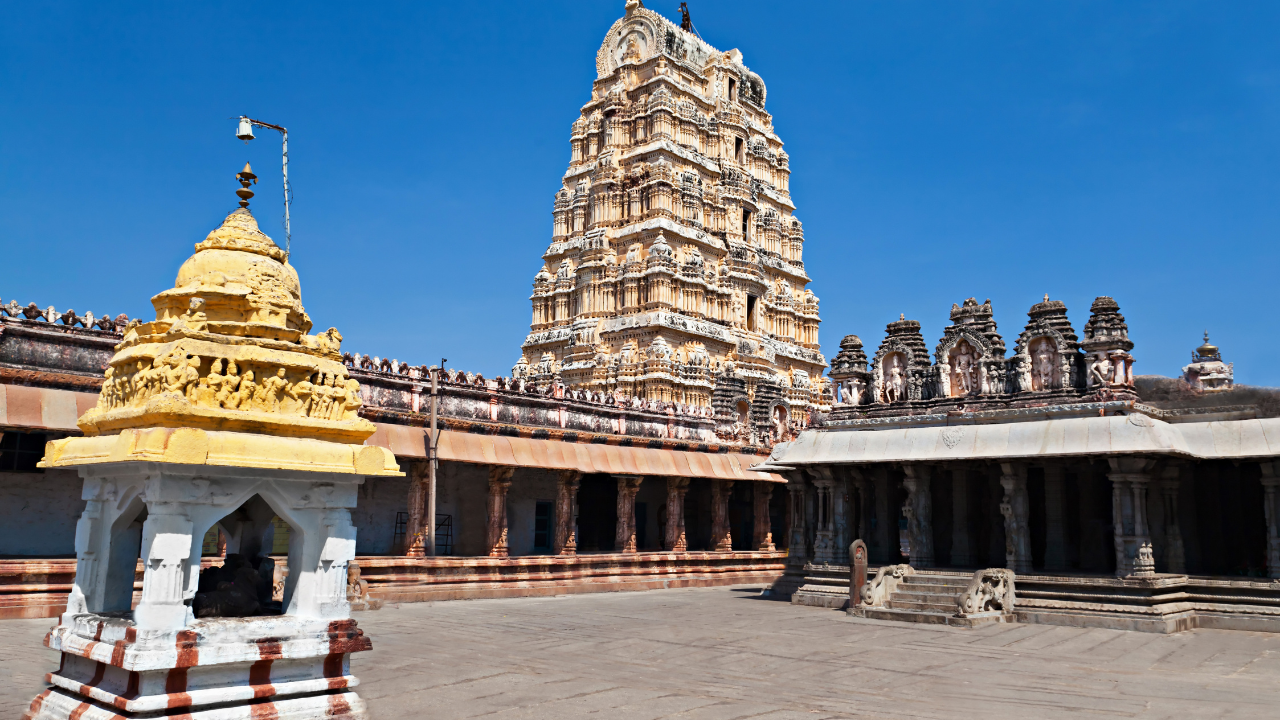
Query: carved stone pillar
{"x": 1271, "y": 510}
{"x": 861, "y": 490}
{"x": 496, "y": 535}
{"x": 566, "y": 538}
{"x": 886, "y": 519}
{"x": 763, "y": 540}
{"x": 1175, "y": 554}
{"x": 824, "y": 522}
{"x": 1016, "y": 511}
{"x": 1129, "y": 480}
{"x": 721, "y": 538}
{"x": 961, "y": 552}
{"x": 415, "y": 528}
{"x": 625, "y": 530}
{"x": 841, "y": 510}
{"x": 675, "y": 541}
{"x": 796, "y": 554}
{"x": 1055, "y": 535}
{"x": 918, "y": 510}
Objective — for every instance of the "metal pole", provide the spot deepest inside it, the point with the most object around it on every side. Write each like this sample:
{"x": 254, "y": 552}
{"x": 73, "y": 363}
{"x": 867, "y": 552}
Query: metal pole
{"x": 288, "y": 237}
{"x": 433, "y": 438}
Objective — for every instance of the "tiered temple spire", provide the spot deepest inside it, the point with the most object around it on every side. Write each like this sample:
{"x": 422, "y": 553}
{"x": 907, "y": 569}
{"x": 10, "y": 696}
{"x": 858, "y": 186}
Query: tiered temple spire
{"x": 676, "y": 258}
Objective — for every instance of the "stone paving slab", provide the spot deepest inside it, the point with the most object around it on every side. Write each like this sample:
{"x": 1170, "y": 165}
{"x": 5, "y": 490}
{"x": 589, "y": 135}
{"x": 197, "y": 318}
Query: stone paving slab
{"x": 724, "y": 654}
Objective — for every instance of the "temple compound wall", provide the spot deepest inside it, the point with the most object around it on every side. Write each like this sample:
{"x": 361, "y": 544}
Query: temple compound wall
{"x": 675, "y": 271}
{"x": 557, "y": 462}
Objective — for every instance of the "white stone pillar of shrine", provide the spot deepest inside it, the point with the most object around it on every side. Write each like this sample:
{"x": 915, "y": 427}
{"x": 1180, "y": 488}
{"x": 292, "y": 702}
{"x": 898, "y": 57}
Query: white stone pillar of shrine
{"x": 1055, "y": 529}
{"x": 676, "y": 539}
{"x": 625, "y": 529}
{"x": 496, "y": 511}
{"x": 1271, "y": 511}
{"x": 961, "y": 549}
{"x": 1015, "y": 507}
{"x": 763, "y": 530}
{"x": 1175, "y": 554}
{"x": 721, "y": 533}
{"x": 824, "y": 536}
{"x": 1129, "y": 481}
{"x": 918, "y": 510}
{"x": 566, "y": 536}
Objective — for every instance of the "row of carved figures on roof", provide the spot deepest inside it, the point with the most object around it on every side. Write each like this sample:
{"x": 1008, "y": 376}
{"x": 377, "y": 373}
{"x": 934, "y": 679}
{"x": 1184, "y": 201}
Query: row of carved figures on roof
{"x": 970, "y": 359}
{"x": 554, "y": 388}
{"x": 323, "y": 396}
{"x": 68, "y": 318}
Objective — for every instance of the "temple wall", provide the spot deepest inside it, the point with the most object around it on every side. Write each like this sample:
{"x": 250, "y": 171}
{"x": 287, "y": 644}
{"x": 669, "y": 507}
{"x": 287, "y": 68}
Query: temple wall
{"x": 374, "y": 516}
{"x": 38, "y": 513}
{"x": 653, "y": 493}
{"x": 528, "y": 486}
{"x": 462, "y": 492}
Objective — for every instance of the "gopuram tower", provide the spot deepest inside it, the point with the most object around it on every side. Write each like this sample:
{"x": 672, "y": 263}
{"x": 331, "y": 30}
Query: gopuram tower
{"x": 675, "y": 272}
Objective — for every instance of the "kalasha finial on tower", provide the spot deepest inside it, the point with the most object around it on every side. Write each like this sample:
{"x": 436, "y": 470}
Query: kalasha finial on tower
{"x": 246, "y": 178}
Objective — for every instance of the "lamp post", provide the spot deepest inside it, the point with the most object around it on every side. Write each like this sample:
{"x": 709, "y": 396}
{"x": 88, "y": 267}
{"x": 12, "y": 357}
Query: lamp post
{"x": 433, "y": 440}
{"x": 245, "y": 133}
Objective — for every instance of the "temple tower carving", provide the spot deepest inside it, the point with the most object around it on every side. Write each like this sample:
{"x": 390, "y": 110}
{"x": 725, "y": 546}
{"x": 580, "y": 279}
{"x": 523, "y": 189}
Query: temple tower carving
{"x": 676, "y": 258}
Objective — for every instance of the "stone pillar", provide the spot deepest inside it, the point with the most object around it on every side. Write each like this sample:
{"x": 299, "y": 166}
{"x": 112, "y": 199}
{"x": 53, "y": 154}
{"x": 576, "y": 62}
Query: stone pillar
{"x": 763, "y": 540}
{"x": 1016, "y": 511}
{"x": 919, "y": 512}
{"x": 1271, "y": 510}
{"x": 841, "y": 510}
{"x": 861, "y": 487}
{"x": 1055, "y": 546}
{"x": 415, "y": 528}
{"x": 1129, "y": 480}
{"x": 824, "y": 523}
{"x": 961, "y": 552}
{"x": 624, "y": 540}
{"x": 566, "y": 537}
{"x": 1175, "y": 554}
{"x": 675, "y": 541}
{"x": 796, "y": 552}
{"x": 496, "y": 535}
{"x": 886, "y": 519}
{"x": 166, "y": 552}
{"x": 721, "y": 538}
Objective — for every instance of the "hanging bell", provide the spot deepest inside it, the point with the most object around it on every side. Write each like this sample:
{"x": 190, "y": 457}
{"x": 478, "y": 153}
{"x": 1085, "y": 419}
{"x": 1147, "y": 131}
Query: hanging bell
{"x": 245, "y": 132}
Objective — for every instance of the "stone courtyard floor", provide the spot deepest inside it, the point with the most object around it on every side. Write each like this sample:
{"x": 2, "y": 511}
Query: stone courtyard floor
{"x": 723, "y": 653}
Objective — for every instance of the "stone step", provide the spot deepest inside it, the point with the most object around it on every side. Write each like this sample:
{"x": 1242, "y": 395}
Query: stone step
{"x": 944, "y": 608}
{"x": 934, "y": 618}
{"x": 958, "y": 580}
{"x": 928, "y": 597}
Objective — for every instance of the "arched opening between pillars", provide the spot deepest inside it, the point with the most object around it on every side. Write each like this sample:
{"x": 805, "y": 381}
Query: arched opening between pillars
{"x": 249, "y": 581}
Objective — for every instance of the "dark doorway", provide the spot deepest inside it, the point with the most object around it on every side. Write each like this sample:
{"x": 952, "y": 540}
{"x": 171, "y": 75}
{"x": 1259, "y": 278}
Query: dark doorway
{"x": 542, "y": 526}
{"x": 642, "y": 522}
{"x": 597, "y": 513}
{"x": 742, "y": 516}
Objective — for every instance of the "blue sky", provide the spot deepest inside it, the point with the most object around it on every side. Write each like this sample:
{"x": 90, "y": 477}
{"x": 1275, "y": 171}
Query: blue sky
{"x": 938, "y": 150}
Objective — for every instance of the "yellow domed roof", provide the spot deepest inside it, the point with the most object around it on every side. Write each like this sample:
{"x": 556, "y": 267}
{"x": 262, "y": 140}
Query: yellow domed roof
{"x": 245, "y": 281}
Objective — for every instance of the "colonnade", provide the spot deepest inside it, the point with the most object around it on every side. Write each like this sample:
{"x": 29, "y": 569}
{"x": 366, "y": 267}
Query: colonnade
{"x": 566, "y": 529}
{"x": 1126, "y": 515}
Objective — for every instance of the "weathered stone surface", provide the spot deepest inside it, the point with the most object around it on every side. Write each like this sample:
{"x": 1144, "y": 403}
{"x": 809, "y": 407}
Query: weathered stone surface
{"x": 718, "y": 653}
